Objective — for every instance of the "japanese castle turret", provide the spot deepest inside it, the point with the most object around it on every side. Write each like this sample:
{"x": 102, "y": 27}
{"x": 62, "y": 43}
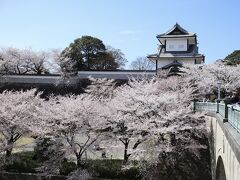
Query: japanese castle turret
{"x": 177, "y": 46}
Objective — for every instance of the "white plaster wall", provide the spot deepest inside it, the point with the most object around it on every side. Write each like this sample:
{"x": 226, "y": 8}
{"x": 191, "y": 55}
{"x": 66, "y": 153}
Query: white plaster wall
{"x": 176, "y": 45}
{"x": 187, "y": 61}
{"x": 223, "y": 149}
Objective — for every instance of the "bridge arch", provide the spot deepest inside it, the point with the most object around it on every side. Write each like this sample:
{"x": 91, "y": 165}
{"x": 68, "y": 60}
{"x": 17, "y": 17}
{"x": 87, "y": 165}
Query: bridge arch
{"x": 220, "y": 170}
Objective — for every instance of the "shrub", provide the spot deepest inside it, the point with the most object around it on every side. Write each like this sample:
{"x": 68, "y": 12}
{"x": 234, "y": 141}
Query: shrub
{"x": 41, "y": 150}
{"x": 22, "y": 162}
{"x": 26, "y": 162}
{"x": 111, "y": 168}
{"x": 79, "y": 174}
{"x": 67, "y": 167}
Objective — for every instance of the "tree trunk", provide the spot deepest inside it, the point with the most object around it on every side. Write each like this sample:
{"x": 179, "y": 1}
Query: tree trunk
{"x": 10, "y": 142}
{"x": 79, "y": 160}
{"x": 9, "y": 152}
{"x": 126, "y": 155}
{"x": 39, "y": 72}
{"x": 9, "y": 149}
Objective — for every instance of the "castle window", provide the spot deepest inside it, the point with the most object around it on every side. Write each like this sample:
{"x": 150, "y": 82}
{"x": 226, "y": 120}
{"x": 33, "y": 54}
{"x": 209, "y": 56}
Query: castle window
{"x": 176, "y": 45}
{"x": 180, "y": 46}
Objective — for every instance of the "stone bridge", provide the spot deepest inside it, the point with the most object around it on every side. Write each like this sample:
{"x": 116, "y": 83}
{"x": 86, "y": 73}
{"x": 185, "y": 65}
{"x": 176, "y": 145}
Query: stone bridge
{"x": 224, "y": 127}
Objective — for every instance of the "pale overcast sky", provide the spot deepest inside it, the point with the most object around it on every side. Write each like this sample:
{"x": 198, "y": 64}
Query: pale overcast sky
{"x": 130, "y": 25}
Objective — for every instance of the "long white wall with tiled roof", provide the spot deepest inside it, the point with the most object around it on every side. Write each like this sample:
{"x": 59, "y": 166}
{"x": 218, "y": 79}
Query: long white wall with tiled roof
{"x": 34, "y": 79}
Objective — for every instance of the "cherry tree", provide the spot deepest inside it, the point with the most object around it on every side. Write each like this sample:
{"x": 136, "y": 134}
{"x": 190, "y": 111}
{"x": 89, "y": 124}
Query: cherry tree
{"x": 23, "y": 61}
{"x": 37, "y": 61}
{"x": 207, "y": 77}
{"x": 101, "y": 89}
{"x": 18, "y": 117}
{"x": 149, "y": 108}
{"x": 142, "y": 63}
{"x": 64, "y": 65}
{"x": 74, "y": 121}
{"x": 12, "y": 61}
{"x": 162, "y": 108}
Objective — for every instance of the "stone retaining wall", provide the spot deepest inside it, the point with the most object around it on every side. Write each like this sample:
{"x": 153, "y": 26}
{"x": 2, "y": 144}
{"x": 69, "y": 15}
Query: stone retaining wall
{"x": 28, "y": 176}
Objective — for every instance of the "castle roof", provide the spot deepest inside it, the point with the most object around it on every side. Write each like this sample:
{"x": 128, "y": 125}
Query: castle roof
{"x": 192, "y": 52}
{"x": 176, "y": 31}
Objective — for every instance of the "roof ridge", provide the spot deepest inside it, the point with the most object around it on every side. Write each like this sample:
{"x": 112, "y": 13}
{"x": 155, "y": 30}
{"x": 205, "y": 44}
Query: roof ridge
{"x": 182, "y": 32}
{"x": 177, "y": 26}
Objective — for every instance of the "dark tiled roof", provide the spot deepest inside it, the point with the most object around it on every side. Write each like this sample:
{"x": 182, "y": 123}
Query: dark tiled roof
{"x": 175, "y": 36}
{"x": 152, "y": 56}
{"x": 174, "y": 63}
{"x": 176, "y": 31}
{"x": 192, "y": 51}
{"x": 56, "y": 79}
{"x": 120, "y": 75}
{"x": 192, "y": 48}
{"x": 179, "y": 28}
{"x": 180, "y": 55}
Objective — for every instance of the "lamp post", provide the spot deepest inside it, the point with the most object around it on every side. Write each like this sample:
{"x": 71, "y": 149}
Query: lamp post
{"x": 219, "y": 95}
{"x": 219, "y": 89}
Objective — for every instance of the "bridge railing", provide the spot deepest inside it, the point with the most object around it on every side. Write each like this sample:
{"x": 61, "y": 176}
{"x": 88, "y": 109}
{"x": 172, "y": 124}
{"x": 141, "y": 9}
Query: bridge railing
{"x": 229, "y": 113}
{"x": 221, "y": 109}
{"x": 206, "y": 106}
{"x": 234, "y": 117}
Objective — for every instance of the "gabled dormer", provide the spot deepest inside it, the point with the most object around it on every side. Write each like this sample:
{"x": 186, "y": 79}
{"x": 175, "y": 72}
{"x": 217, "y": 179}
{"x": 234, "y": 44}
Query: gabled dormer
{"x": 177, "y": 39}
{"x": 177, "y": 30}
